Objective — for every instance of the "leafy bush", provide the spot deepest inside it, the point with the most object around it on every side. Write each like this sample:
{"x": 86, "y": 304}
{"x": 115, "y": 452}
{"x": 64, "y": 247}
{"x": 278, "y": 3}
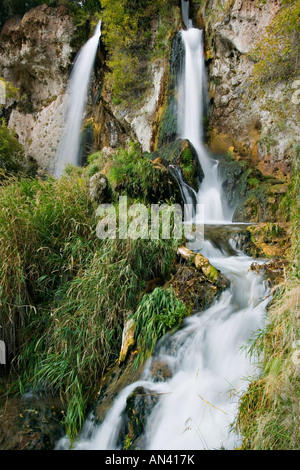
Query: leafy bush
{"x": 134, "y": 174}
{"x": 127, "y": 36}
{"x": 12, "y": 158}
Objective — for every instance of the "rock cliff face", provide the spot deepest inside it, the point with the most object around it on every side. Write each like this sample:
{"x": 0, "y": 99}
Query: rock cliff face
{"x": 35, "y": 55}
{"x": 253, "y": 127}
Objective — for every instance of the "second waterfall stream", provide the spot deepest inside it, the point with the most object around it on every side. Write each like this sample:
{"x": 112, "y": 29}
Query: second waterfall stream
{"x": 197, "y": 404}
{"x": 69, "y": 150}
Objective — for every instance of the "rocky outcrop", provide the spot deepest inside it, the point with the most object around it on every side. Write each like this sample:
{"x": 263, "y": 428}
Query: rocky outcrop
{"x": 139, "y": 405}
{"x": 251, "y": 195}
{"x": 251, "y": 126}
{"x": 143, "y": 122}
{"x": 31, "y": 423}
{"x": 196, "y": 282}
{"x": 181, "y": 154}
{"x": 35, "y": 55}
{"x": 100, "y": 190}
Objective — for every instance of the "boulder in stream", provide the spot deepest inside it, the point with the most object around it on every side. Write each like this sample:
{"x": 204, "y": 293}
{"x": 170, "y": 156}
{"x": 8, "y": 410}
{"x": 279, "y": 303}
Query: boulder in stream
{"x": 196, "y": 281}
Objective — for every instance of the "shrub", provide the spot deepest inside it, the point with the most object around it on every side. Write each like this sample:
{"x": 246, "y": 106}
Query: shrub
{"x": 134, "y": 174}
{"x": 127, "y": 36}
{"x": 12, "y": 158}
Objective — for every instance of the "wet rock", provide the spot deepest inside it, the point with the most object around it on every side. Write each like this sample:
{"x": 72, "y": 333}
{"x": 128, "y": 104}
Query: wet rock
{"x": 108, "y": 131}
{"x": 274, "y": 270}
{"x": 168, "y": 114}
{"x": 252, "y": 196}
{"x": 270, "y": 239}
{"x": 182, "y": 154}
{"x": 202, "y": 264}
{"x": 139, "y": 405}
{"x": 31, "y": 423}
{"x": 229, "y": 239}
{"x": 196, "y": 282}
{"x": 100, "y": 189}
{"x": 193, "y": 288}
{"x": 113, "y": 381}
{"x": 160, "y": 371}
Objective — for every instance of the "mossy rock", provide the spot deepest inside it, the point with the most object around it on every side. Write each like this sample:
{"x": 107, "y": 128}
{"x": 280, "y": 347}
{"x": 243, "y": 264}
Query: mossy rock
{"x": 139, "y": 405}
{"x": 140, "y": 176}
{"x": 271, "y": 240}
{"x": 197, "y": 282}
{"x": 113, "y": 381}
{"x": 181, "y": 153}
{"x": 100, "y": 190}
{"x": 253, "y": 196}
{"x": 33, "y": 423}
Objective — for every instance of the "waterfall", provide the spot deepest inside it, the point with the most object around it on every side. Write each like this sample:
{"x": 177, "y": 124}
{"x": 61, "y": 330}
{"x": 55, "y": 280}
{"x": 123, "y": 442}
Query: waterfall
{"x": 185, "y": 7}
{"x": 76, "y": 100}
{"x": 192, "y": 100}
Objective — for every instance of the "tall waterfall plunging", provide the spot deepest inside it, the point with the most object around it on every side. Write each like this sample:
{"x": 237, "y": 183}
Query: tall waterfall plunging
{"x": 76, "y": 100}
{"x": 192, "y": 99}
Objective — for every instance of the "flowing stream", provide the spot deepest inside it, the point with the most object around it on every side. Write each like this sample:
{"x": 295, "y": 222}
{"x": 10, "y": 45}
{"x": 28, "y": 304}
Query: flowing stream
{"x": 76, "y": 100}
{"x": 198, "y": 402}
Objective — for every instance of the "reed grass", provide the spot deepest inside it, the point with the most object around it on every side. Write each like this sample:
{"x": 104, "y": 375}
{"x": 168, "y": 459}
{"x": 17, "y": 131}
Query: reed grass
{"x": 156, "y": 314}
{"x": 64, "y": 294}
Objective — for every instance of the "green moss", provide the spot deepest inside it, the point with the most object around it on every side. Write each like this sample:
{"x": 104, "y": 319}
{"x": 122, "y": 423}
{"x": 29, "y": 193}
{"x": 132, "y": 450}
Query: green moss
{"x": 181, "y": 153}
{"x": 254, "y": 197}
{"x": 12, "y": 155}
{"x": 133, "y": 174}
{"x": 187, "y": 165}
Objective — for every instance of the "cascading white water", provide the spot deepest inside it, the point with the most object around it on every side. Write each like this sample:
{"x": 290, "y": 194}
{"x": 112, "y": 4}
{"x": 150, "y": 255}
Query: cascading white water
{"x": 185, "y": 7}
{"x": 192, "y": 96}
{"x": 199, "y": 403}
{"x": 76, "y": 101}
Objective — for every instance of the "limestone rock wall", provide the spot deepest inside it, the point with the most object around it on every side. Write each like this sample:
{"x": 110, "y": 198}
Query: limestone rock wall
{"x": 251, "y": 126}
{"x": 35, "y": 55}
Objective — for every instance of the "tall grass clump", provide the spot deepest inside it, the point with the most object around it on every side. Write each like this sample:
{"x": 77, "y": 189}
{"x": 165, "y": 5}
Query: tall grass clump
{"x": 133, "y": 174}
{"x": 156, "y": 314}
{"x": 83, "y": 336}
{"x": 45, "y": 234}
{"x": 65, "y": 294}
{"x": 269, "y": 411}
